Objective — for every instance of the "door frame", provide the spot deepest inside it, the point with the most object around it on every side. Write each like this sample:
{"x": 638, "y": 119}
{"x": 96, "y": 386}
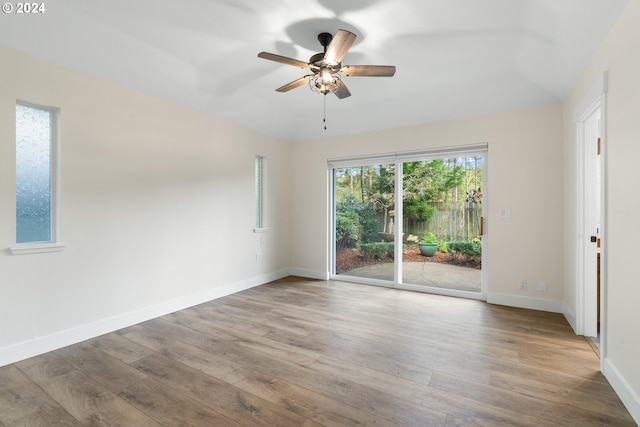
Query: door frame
{"x": 398, "y": 158}
{"x": 586, "y": 300}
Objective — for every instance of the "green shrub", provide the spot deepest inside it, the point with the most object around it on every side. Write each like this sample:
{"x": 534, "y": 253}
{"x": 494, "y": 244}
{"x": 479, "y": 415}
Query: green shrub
{"x": 429, "y": 238}
{"x": 376, "y": 251}
{"x": 368, "y": 221}
{"x": 418, "y": 208}
{"x": 347, "y": 229}
{"x": 467, "y": 248}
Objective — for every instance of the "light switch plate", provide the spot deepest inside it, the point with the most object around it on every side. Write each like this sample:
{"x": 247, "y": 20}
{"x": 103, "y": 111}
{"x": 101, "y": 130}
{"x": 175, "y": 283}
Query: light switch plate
{"x": 504, "y": 212}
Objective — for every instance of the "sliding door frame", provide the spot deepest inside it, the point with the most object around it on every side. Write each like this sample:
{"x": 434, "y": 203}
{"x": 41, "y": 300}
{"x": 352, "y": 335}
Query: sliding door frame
{"x": 398, "y": 158}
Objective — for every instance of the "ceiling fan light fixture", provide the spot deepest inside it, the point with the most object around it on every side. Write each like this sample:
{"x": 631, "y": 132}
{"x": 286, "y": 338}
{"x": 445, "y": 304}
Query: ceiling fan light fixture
{"x": 327, "y": 75}
{"x": 327, "y": 66}
{"x": 327, "y": 69}
{"x": 324, "y": 83}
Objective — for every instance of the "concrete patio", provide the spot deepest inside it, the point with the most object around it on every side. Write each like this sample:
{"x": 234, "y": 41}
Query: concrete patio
{"x": 433, "y": 274}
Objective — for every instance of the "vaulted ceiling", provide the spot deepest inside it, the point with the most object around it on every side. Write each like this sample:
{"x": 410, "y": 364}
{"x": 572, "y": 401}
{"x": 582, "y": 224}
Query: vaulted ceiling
{"x": 454, "y": 58}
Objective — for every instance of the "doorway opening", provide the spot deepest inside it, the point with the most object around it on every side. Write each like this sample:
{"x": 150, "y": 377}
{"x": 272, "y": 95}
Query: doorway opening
{"x": 590, "y": 294}
{"x": 411, "y": 220}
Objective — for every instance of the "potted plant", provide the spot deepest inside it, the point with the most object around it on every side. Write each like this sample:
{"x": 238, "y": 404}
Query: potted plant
{"x": 428, "y": 245}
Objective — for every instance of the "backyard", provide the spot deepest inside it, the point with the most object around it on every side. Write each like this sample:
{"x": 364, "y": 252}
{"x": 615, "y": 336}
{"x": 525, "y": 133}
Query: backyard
{"x": 441, "y": 207}
{"x": 348, "y": 259}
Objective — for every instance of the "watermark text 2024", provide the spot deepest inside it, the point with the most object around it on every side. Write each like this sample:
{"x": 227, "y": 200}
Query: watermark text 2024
{"x": 23, "y": 8}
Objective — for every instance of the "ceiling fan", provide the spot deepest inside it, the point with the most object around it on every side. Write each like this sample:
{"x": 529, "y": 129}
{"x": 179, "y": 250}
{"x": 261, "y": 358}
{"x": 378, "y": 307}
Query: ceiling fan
{"x": 327, "y": 67}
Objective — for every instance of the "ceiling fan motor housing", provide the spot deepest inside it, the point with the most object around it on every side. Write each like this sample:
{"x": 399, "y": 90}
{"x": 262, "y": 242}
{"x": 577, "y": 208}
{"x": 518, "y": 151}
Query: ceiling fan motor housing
{"x": 325, "y": 39}
{"x": 318, "y": 59}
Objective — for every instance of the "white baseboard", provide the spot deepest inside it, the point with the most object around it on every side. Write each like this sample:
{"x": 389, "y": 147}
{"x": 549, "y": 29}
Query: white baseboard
{"x": 568, "y": 314}
{"x": 310, "y": 274}
{"x": 629, "y": 398}
{"x": 541, "y": 304}
{"x": 26, "y": 349}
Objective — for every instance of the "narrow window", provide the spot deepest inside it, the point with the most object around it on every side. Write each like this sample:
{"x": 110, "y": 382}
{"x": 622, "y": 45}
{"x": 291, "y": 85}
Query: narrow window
{"x": 35, "y": 139}
{"x": 259, "y": 182}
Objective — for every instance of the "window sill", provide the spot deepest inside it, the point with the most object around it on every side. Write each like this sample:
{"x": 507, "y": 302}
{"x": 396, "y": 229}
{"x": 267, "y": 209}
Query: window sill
{"x": 36, "y": 248}
{"x": 261, "y": 230}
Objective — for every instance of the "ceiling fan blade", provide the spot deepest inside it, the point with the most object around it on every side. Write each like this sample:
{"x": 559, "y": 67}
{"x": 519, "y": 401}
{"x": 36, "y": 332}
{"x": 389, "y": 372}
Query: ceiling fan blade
{"x": 369, "y": 70}
{"x": 294, "y": 84}
{"x": 339, "y": 46}
{"x": 283, "y": 59}
{"x": 340, "y": 89}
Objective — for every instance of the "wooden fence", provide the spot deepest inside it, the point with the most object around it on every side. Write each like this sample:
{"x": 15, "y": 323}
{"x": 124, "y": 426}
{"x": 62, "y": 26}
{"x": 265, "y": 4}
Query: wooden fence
{"x": 451, "y": 221}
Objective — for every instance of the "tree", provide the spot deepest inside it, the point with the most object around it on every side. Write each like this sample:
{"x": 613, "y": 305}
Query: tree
{"x": 426, "y": 182}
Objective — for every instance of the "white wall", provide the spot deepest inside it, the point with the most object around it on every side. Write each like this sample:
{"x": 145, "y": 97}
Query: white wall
{"x": 156, "y": 210}
{"x": 525, "y": 174}
{"x": 619, "y": 55}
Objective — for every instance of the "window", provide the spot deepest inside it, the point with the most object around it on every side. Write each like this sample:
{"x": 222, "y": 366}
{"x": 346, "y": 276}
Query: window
{"x": 35, "y": 178}
{"x": 259, "y": 183}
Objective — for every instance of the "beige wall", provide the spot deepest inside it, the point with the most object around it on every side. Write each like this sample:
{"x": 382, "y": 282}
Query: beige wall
{"x": 525, "y": 174}
{"x": 156, "y": 209}
{"x": 620, "y": 56}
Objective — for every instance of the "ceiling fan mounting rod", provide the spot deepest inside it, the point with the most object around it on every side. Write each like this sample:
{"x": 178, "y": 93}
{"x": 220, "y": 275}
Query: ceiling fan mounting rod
{"x": 325, "y": 40}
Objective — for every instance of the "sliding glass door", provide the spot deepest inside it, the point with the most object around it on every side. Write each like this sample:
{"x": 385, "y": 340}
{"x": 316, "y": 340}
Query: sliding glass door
{"x": 432, "y": 240}
{"x": 442, "y": 206}
{"x": 364, "y": 201}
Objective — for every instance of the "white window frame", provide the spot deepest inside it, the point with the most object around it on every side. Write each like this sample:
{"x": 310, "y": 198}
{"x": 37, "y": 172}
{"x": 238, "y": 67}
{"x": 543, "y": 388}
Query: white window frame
{"x": 260, "y": 185}
{"x": 53, "y": 245}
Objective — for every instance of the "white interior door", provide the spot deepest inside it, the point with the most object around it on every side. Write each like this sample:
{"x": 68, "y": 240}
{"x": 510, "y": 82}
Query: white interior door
{"x": 589, "y": 134}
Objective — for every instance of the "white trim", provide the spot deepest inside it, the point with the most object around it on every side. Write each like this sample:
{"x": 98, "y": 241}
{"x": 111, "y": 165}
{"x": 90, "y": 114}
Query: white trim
{"x": 36, "y": 248}
{"x": 261, "y": 186}
{"x": 597, "y": 89}
{"x": 331, "y": 216}
{"x": 626, "y": 394}
{"x": 442, "y": 291}
{"x": 56, "y": 173}
{"x": 486, "y": 237}
{"x": 409, "y": 156}
{"x": 398, "y": 231}
{"x": 604, "y": 227}
{"x": 409, "y": 287}
{"x": 26, "y": 349}
{"x": 569, "y": 315}
{"x": 595, "y": 97}
{"x": 553, "y": 306}
{"x": 309, "y": 274}
{"x": 362, "y": 280}
{"x": 587, "y": 133}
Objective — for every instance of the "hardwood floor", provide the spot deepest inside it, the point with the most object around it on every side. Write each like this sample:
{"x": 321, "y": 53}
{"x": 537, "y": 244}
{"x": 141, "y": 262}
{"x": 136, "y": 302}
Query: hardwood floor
{"x": 299, "y": 352}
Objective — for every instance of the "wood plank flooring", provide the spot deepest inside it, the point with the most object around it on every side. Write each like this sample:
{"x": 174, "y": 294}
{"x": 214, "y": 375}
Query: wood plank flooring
{"x": 307, "y": 353}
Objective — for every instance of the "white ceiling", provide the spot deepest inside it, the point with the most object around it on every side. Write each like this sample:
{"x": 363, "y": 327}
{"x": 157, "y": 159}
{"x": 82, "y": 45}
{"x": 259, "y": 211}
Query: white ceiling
{"x": 454, "y": 58}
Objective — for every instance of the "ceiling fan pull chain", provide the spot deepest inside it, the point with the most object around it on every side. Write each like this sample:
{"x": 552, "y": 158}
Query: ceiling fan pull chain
{"x": 324, "y": 119}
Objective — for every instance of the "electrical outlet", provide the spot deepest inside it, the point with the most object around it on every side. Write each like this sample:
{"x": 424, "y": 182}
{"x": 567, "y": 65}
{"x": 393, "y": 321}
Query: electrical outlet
{"x": 542, "y": 286}
{"x": 258, "y": 256}
{"x": 522, "y": 285}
